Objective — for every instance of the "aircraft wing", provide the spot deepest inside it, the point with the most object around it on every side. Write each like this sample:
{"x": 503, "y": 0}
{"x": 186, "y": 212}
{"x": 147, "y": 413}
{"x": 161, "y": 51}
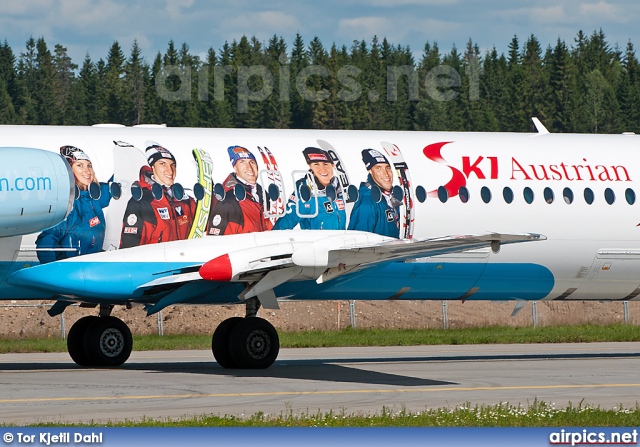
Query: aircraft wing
{"x": 404, "y": 249}
{"x": 264, "y": 268}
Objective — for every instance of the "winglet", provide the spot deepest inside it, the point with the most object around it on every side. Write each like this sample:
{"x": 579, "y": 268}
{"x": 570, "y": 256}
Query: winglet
{"x": 539, "y": 126}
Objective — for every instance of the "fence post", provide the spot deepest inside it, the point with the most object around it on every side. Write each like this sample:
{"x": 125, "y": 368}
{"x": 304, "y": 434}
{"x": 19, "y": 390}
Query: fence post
{"x": 626, "y": 312}
{"x": 534, "y": 313}
{"x": 63, "y": 332}
{"x": 352, "y": 313}
{"x": 445, "y": 315}
{"x": 160, "y": 326}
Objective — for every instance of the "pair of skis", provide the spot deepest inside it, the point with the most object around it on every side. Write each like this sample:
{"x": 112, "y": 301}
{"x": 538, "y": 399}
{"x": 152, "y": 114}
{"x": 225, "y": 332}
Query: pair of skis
{"x": 402, "y": 171}
{"x": 274, "y": 177}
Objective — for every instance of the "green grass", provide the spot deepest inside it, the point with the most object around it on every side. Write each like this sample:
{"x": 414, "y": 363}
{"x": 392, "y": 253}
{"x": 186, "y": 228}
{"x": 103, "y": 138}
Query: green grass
{"x": 371, "y": 337}
{"x": 537, "y": 414}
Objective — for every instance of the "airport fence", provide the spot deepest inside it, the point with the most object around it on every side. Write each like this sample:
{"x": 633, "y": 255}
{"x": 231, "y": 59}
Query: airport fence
{"x": 351, "y": 307}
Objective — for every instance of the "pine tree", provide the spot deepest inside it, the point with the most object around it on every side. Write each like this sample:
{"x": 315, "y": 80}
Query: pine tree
{"x": 430, "y": 112}
{"x": 561, "y": 89}
{"x": 117, "y": 102}
{"x": 136, "y": 76}
{"x": 64, "y": 80}
{"x": 47, "y": 108}
{"x": 94, "y": 94}
{"x": 300, "y": 107}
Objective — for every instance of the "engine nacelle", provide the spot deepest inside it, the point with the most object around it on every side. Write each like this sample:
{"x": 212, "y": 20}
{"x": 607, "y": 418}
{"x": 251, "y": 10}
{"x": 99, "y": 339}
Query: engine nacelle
{"x": 37, "y": 190}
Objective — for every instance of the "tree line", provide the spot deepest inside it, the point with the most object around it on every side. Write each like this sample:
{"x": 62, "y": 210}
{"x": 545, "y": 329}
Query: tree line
{"x": 587, "y": 86}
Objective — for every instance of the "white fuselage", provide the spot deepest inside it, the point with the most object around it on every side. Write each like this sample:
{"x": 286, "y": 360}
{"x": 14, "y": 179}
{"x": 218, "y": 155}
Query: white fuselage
{"x": 592, "y": 250}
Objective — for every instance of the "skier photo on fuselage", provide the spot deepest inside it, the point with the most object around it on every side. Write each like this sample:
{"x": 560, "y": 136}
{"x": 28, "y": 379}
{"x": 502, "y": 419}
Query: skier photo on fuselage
{"x": 376, "y": 212}
{"x": 330, "y": 213}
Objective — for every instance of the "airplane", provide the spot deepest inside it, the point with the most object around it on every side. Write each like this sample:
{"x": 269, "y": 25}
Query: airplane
{"x": 480, "y": 216}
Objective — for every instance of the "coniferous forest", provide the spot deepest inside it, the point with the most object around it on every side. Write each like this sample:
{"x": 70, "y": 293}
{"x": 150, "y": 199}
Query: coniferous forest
{"x": 586, "y": 86}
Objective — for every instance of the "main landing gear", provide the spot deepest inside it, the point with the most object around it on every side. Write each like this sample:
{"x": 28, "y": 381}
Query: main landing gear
{"x": 247, "y": 343}
{"x": 100, "y": 341}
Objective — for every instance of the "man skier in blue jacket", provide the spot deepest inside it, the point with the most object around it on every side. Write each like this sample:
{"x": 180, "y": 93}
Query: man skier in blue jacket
{"x": 331, "y": 213}
{"x": 382, "y": 217}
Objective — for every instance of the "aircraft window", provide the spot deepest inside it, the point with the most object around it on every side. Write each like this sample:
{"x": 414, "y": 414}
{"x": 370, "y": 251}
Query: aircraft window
{"x": 219, "y": 191}
{"x": 198, "y": 191}
{"x": 528, "y": 195}
{"x": 178, "y": 191}
{"x": 397, "y": 193}
{"x": 588, "y": 196}
{"x": 305, "y": 193}
{"x": 136, "y": 191}
{"x": 485, "y": 193}
{"x": 548, "y": 195}
{"x": 330, "y": 191}
{"x": 443, "y": 195}
{"x": 507, "y": 193}
{"x": 95, "y": 191}
{"x": 609, "y": 196}
{"x": 630, "y": 195}
{"x": 376, "y": 194}
{"x": 156, "y": 191}
{"x": 568, "y": 196}
{"x": 238, "y": 191}
{"x": 353, "y": 193}
{"x": 463, "y": 192}
{"x": 421, "y": 194}
{"x": 115, "y": 189}
{"x": 273, "y": 192}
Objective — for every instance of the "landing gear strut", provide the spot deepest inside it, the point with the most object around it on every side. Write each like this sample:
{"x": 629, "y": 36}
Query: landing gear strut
{"x": 247, "y": 343}
{"x": 100, "y": 341}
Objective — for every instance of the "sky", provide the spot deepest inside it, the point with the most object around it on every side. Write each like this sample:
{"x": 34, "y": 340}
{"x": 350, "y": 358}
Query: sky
{"x": 91, "y": 26}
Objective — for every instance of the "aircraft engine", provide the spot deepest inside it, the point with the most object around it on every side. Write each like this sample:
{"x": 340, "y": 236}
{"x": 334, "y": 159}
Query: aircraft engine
{"x": 36, "y": 190}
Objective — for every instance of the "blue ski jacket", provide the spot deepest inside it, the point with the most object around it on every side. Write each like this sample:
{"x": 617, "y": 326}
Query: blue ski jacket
{"x": 83, "y": 229}
{"x": 331, "y": 214}
{"x": 381, "y": 218}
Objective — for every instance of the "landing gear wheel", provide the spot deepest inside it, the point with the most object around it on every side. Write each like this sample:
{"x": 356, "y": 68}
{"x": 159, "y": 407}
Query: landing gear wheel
{"x": 108, "y": 342}
{"x": 220, "y": 342}
{"x": 75, "y": 340}
{"x": 254, "y": 343}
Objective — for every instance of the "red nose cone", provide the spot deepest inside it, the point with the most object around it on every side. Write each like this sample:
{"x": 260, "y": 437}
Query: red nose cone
{"x": 218, "y": 269}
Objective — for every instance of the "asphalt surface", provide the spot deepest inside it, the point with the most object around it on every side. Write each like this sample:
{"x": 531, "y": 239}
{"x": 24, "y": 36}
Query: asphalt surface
{"x": 172, "y": 384}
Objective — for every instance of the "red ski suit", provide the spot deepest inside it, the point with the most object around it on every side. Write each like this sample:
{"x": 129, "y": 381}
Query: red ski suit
{"x": 230, "y": 216}
{"x": 151, "y": 221}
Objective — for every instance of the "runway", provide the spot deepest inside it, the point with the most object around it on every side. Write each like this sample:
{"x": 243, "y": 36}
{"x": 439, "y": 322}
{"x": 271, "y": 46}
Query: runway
{"x": 51, "y": 388}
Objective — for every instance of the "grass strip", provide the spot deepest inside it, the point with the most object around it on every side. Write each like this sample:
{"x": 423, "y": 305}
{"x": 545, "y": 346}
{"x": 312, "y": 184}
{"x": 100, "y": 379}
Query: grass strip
{"x": 371, "y": 337}
{"x": 537, "y": 414}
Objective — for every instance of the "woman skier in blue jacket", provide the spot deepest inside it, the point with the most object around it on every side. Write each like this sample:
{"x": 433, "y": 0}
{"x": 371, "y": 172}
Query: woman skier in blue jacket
{"x": 83, "y": 231}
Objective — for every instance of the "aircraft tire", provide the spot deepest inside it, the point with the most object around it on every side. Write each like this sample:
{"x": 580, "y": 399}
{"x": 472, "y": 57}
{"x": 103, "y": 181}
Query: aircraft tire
{"x": 220, "y": 342}
{"x": 254, "y": 343}
{"x": 75, "y": 340}
{"x": 108, "y": 342}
